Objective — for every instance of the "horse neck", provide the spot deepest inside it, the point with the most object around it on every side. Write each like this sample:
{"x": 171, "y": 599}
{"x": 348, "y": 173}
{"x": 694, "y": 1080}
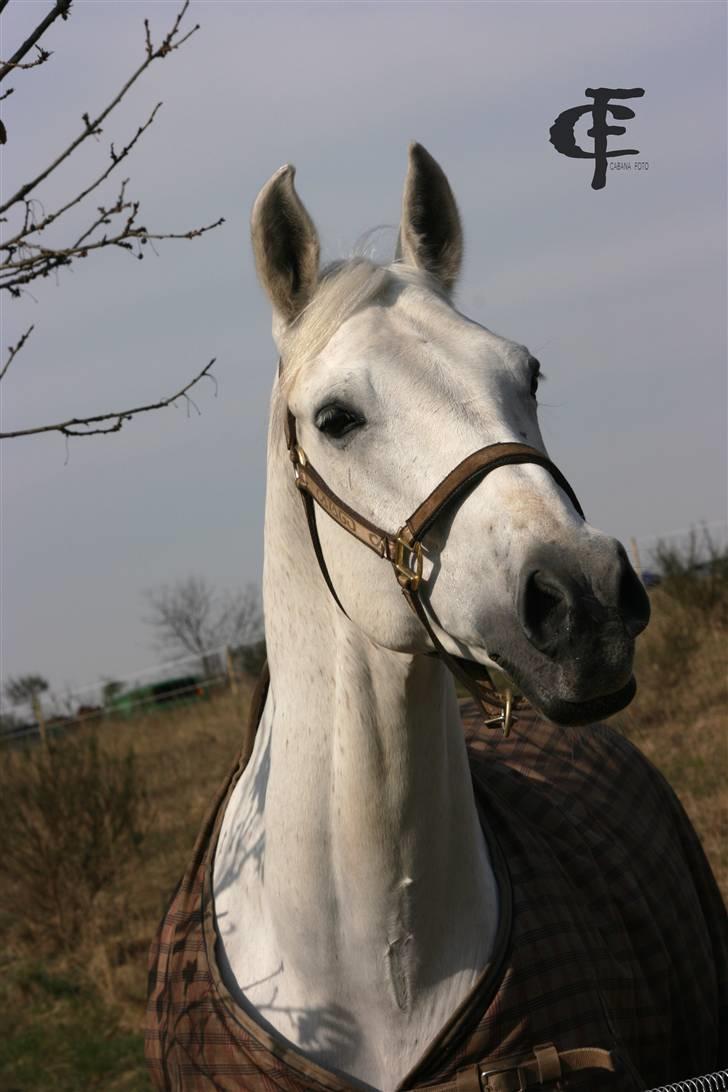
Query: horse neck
{"x": 369, "y": 805}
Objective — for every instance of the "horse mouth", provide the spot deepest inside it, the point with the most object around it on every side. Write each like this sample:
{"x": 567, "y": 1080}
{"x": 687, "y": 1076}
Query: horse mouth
{"x": 557, "y": 709}
{"x": 586, "y": 712}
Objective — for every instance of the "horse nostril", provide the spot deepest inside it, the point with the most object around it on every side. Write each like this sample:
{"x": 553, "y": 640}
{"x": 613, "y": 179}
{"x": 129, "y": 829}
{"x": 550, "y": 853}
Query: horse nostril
{"x": 543, "y": 610}
{"x": 633, "y": 603}
{"x": 564, "y": 601}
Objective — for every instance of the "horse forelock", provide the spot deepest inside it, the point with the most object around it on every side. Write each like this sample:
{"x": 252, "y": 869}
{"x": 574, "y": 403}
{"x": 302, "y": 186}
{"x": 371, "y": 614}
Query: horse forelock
{"x": 345, "y": 287}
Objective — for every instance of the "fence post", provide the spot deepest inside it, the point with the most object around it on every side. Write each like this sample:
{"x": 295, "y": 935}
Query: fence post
{"x": 232, "y": 678}
{"x": 38, "y": 714}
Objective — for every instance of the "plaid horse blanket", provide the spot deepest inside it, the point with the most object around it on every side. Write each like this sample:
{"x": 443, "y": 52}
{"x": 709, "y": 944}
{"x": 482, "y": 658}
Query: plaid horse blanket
{"x": 612, "y": 937}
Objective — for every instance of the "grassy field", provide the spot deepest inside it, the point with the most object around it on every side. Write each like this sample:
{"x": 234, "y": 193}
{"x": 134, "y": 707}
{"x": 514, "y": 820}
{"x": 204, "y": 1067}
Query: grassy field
{"x": 72, "y": 991}
{"x": 72, "y": 1006}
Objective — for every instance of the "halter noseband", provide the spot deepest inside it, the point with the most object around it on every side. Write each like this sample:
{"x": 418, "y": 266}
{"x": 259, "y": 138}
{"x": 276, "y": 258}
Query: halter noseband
{"x": 404, "y": 548}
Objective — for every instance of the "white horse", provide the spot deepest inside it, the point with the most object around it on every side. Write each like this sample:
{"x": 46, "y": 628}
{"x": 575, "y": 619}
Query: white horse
{"x": 355, "y": 898}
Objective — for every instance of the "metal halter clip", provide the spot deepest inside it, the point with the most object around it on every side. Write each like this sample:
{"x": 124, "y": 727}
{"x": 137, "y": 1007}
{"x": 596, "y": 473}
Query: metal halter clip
{"x": 504, "y": 719}
{"x": 298, "y": 457}
{"x": 411, "y": 575}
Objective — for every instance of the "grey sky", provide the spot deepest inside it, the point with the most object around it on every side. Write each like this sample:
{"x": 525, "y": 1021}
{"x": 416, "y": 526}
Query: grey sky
{"x": 620, "y": 292}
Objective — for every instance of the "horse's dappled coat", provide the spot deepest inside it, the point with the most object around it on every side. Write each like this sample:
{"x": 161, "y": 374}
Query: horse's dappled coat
{"x": 612, "y": 933}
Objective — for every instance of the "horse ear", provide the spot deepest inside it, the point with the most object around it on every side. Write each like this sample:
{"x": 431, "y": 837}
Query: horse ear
{"x": 430, "y": 235}
{"x": 285, "y": 245}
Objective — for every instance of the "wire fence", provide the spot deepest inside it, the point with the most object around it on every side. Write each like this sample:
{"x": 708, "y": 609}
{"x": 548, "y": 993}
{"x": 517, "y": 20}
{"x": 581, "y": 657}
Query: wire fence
{"x": 196, "y": 677}
{"x": 697, "y": 545}
{"x": 701, "y": 535}
{"x": 208, "y": 662}
{"x": 162, "y": 686}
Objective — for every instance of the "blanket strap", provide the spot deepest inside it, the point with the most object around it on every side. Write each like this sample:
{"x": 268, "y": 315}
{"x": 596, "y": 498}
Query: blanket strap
{"x": 518, "y": 1074}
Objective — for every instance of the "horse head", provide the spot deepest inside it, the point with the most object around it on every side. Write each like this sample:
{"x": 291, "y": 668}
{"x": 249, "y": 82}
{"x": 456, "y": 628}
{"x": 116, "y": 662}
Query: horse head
{"x": 391, "y": 387}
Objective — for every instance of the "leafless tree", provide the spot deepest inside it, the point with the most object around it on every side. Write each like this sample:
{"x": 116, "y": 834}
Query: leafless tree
{"x": 26, "y": 690}
{"x": 190, "y": 616}
{"x": 25, "y": 252}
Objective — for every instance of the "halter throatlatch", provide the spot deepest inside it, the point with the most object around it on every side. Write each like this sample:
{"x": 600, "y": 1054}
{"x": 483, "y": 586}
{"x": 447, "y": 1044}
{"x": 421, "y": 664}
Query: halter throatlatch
{"x": 404, "y": 548}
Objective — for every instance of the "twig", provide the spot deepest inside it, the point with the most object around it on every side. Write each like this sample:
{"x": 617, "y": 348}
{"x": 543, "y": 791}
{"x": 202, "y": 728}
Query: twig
{"x": 15, "y": 349}
{"x": 116, "y": 159}
{"x": 62, "y": 8}
{"x": 43, "y": 55}
{"x": 14, "y": 274}
{"x": 70, "y": 427}
{"x": 92, "y": 128}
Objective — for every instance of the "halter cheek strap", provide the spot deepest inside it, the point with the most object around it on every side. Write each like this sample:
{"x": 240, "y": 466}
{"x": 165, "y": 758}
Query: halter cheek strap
{"x": 404, "y": 548}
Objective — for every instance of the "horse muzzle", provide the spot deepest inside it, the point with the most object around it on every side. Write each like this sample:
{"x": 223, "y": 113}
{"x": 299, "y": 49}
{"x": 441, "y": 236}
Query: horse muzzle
{"x": 571, "y": 649}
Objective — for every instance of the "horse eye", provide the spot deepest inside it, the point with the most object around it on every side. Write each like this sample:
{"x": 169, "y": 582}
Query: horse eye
{"x": 336, "y": 421}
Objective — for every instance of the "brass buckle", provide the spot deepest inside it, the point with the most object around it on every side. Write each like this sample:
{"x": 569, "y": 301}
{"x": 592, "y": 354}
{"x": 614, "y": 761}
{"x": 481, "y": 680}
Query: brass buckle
{"x": 504, "y": 719}
{"x": 298, "y": 457}
{"x": 412, "y": 575}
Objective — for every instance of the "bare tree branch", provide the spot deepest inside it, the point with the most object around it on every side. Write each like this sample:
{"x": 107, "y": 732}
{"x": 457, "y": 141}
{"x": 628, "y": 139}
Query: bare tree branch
{"x": 93, "y": 128}
{"x": 3, "y": 5}
{"x": 43, "y": 55}
{"x": 71, "y": 427}
{"x": 13, "y": 350}
{"x": 116, "y": 159}
{"x": 182, "y": 615}
{"x": 22, "y": 689}
{"x": 240, "y": 619}
{"x": 62, "y": 8}
{"x": 188, "y": 616}
{"x": 45, "y": 260}
{"x": 25, "y": 258}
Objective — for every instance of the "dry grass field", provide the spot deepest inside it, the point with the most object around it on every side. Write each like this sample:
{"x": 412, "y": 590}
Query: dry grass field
{"x": 73, "y": 985}
{"x": 72, "y": 1005}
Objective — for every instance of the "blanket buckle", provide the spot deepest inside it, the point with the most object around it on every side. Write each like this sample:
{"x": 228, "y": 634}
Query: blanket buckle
{"x": 517, "y": 1070}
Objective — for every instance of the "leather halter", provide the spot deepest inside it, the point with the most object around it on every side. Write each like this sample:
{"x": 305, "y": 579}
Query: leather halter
{"x": 403, "y": 549}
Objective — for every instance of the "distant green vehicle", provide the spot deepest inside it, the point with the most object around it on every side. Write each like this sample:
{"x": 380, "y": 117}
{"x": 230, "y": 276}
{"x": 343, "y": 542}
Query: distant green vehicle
{"x": 169, "y": 694}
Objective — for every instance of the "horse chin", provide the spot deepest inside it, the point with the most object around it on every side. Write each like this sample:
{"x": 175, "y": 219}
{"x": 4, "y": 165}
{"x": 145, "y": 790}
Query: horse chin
{"x": 564, "y": 709}
{"x": 565, "y": 712}
{"x": 570, "y": 710}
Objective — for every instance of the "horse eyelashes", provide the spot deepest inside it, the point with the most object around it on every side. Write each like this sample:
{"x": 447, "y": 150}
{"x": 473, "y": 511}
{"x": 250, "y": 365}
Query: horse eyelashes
{"x": 336, "y": 421}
